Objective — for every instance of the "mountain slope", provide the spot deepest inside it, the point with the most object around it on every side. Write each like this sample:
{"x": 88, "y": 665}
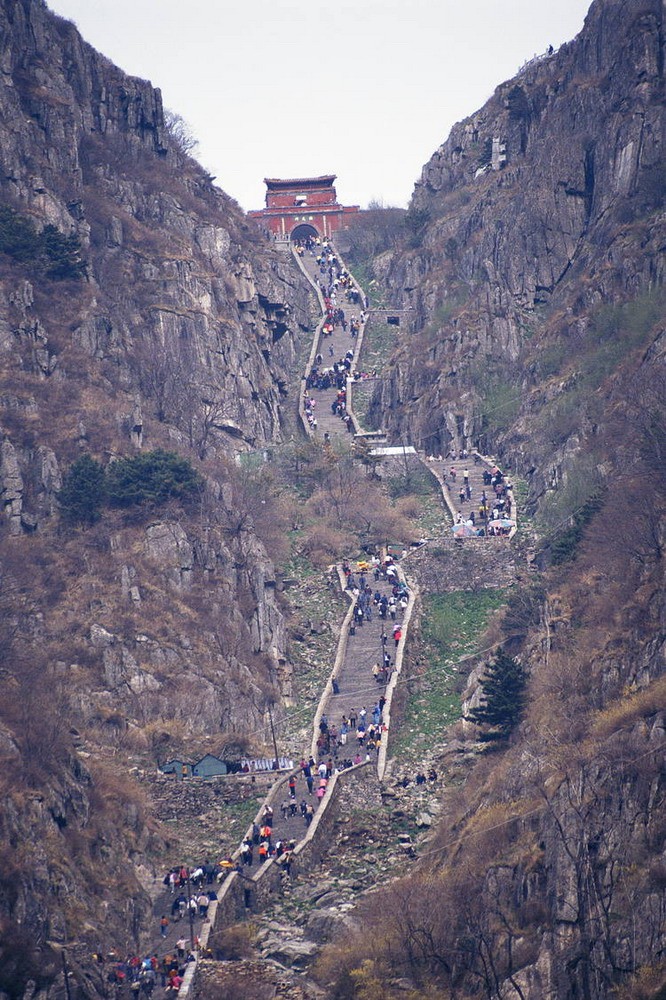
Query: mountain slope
{"x": 532, "y": 327}
{"x": 139, "y": 313}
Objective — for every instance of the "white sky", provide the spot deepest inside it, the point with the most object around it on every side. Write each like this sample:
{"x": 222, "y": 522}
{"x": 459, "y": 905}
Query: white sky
{"x": 365, "y": 89}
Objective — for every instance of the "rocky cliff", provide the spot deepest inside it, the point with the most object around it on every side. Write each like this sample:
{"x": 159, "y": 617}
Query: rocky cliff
{"x": 537, "y": 210}
{"x": 138, "y": 311}
{"x": 532, "y": 326}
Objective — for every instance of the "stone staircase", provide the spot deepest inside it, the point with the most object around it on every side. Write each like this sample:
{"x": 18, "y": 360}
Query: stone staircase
{"x": 359, "y": 648}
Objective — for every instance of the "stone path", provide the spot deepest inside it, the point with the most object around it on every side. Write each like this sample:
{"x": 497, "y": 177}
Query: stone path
{"x": 157, "y": 944}
{"x": 475, "y": 465}
{"x": 357, "y": 687}
{"x": 339, "y": 342}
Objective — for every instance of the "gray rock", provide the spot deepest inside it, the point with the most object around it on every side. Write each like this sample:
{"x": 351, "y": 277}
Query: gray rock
{"x": 321, "y": 926}
{"x": 11, "y": 486}
{"x": 168, "y": 544}
{"x": 328, "y": 899}
{"x": 424, "y": 819}
{"x": 293, "y": 954}
{"x": 100, "y": 637}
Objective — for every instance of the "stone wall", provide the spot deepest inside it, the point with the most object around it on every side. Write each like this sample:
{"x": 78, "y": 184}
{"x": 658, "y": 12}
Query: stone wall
{"x": 241, "y": 894}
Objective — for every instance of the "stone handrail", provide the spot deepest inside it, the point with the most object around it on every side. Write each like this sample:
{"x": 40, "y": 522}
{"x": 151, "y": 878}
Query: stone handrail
{"x": 390, "y": 688}
{"x": 229, "y": 886}
{"x": 231, "y": 905}
{"x": 443, "y": 485}
{"x": 233, "y": 884}
{"x": 339, "y": 660}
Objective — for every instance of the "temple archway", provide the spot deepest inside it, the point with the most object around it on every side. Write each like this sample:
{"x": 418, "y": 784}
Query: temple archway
{"x": 304, "y": 232}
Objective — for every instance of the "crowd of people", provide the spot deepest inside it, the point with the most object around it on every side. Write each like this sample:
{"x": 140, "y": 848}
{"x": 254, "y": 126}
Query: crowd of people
{"x": 358, "y": 734}
{"x": 334, "y": 280}
{"x": 141, "y": 975}
{"x": 334, "y": 740}
{"x": 355, "y": 735}
{"x": 335, "y": 375}
{"x": 495, "y": 503}
{"x": 331, "y": 377}
{"x": 261, "y": 838}
{"x": 338, "y": 405}
{"x": 491, "y": 512}
{"x": 369, "y": 600}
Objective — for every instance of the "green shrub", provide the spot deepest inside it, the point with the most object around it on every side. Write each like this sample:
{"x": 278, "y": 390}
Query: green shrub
{"x": 416, "y": 221}
{"x": 151, "y": 477}
{"x": 83, "y": 492}
{"x": 486, "y": 152}
{"x": 48, "y": 252}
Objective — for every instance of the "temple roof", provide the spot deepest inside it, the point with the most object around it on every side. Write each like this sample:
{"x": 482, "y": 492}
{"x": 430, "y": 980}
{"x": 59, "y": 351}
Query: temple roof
{"x": 299, "y": 182}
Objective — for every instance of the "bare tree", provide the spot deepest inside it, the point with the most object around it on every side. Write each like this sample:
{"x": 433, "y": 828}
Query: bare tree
{"x": 161, "y": 376}
{"x": 180, "y": 132}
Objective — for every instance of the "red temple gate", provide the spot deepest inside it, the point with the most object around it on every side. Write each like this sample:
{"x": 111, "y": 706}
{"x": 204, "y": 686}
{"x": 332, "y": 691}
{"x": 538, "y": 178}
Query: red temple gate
{"x": 302, "y": 206}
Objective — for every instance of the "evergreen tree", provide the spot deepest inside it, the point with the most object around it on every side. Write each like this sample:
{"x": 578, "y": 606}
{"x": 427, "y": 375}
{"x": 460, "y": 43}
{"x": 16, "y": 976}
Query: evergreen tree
{"x": 83, "y": 492}
{"x": 47, "y": 252}
{"x": 151, "y": 477}
{"x": 503, "y": 687}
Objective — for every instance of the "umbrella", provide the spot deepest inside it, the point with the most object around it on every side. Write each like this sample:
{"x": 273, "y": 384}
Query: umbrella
{"x": 502, "y": 522}
{"x": 463, "y": 531}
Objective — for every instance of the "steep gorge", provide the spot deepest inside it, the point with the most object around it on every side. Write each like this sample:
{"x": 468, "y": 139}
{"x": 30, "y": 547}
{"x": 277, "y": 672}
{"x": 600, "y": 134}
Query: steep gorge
{"x": 533, "y": 328}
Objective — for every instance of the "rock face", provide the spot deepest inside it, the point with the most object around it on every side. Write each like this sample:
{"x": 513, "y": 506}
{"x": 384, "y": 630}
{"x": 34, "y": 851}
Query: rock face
{"x": 171, "y": 324}
{"x": 85, "y": 148}
{"x": 182, "y": 332}
{"x": 533, "y": 328}
{"x": 569, "y": 219}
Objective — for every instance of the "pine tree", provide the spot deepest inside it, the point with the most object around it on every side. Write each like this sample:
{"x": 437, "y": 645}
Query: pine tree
{"x": 151, "y": 477}
{"x": 83, "y": 491}
{"x": 503, "y": 685}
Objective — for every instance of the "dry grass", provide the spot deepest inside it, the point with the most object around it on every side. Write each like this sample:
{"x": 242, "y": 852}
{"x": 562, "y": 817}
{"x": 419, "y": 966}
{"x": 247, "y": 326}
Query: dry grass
{"x": 630, "y": 708}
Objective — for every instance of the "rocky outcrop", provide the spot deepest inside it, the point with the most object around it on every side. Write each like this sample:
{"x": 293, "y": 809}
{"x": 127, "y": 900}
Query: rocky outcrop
{"x": 86, "y": 149}
{"x": 171, "y": 324}
{"x": 565, "y": 217}
{"x": 12, "y": 486}
{"x": 197, "y": 356}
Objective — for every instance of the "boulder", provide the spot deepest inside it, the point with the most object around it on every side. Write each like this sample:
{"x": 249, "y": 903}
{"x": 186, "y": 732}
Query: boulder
{"x": 424, "y": 819}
